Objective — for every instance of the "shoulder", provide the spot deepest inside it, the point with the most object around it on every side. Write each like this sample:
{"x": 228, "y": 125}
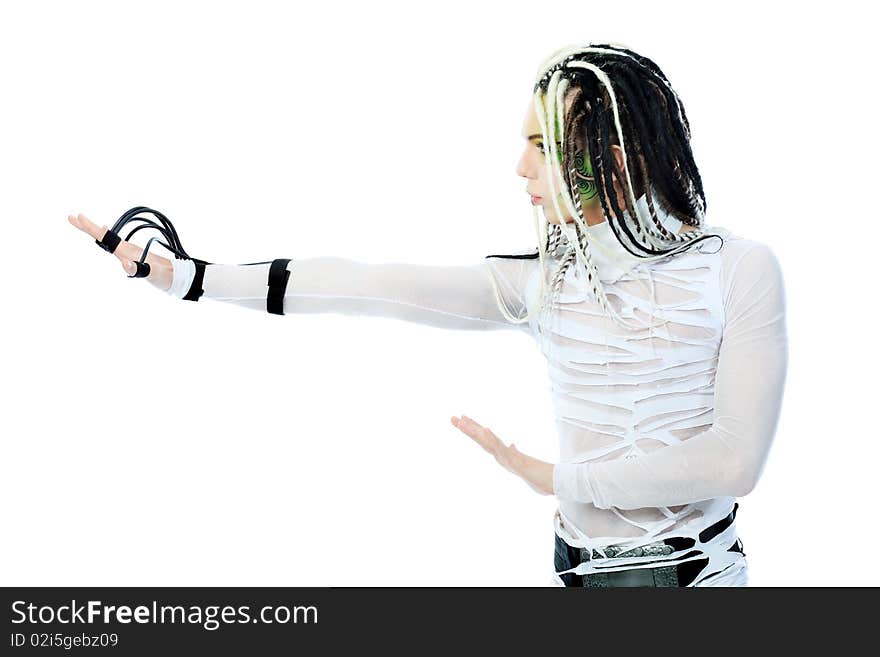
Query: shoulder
{"x": 750, "y": 269}
{"x": 513, "y": 268}
{"x": 741, "y": 255}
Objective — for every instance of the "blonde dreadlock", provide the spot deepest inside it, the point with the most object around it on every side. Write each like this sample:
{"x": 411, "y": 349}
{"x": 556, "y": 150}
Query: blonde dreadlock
{"x": 617, "y": 97}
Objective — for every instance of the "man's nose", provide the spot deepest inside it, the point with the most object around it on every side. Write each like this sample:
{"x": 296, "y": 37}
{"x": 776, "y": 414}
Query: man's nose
{"x": 522, "y": 167}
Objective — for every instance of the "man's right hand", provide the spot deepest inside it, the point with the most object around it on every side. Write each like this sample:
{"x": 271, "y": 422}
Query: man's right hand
{"x": 161, "y": 272}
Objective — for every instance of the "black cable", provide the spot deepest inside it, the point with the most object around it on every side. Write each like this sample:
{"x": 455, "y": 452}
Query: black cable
{"x": 158, "y": 223}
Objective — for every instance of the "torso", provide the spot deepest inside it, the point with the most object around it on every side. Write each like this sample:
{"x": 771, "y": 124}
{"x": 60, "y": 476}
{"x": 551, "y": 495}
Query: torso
{"x": 619, "y": 391}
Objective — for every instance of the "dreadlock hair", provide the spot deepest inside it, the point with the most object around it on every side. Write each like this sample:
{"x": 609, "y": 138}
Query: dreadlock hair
{"x": 596, "y": 96}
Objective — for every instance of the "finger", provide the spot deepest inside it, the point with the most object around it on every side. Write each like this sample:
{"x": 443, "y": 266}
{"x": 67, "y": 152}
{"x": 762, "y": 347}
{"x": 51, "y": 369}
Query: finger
{"x": 483, "y": 436}
{"x": 473, "y": 425}
{"x": 467, "y": 426}
{"x": 463, "y": 426}
{"x": 128, "y": 251}
{"x": 489, "y": 440}
{"x": 124, "y": 251}
{"x": 82, "y": 222}
{"x": 463, "y": 422}
{"x": 468, "y": 422}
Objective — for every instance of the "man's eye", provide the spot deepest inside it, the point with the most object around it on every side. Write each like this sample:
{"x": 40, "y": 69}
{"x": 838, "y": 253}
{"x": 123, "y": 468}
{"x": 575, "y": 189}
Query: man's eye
{"x": 540, "y": 146}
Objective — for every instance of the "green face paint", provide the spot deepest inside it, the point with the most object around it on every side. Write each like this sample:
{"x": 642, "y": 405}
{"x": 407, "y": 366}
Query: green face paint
{"x": 584, "y": 177}
{"x": 583, "y": 174}
{"x": 559, "y": 142}
{"x": 586, "y": 181}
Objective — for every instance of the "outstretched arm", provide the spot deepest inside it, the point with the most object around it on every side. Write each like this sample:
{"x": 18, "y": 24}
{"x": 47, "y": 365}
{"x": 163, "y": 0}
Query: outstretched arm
{"x": 456, "y": 297}
{"x": 728, "y": 458}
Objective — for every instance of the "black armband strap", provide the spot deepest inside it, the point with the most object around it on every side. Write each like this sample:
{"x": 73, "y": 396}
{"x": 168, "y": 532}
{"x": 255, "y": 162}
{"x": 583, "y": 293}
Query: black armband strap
{"x": 109, "y": 242}
{"x": 142, "y": 269}
{"x": 278, "y": 276}
{"x": 195, "y": 288}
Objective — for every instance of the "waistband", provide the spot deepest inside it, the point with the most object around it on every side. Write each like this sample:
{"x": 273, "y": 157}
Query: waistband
{"x": 666, "y": 546}
{"x": 680, "y": 574}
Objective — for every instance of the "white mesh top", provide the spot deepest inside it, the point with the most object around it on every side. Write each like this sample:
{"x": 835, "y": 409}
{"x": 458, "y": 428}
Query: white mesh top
{"x": 660, "y": 429}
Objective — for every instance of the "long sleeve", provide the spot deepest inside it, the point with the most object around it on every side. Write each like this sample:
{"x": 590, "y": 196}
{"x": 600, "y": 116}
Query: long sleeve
{"x": 454, "y": 297}
{"x": 728, "y": 458}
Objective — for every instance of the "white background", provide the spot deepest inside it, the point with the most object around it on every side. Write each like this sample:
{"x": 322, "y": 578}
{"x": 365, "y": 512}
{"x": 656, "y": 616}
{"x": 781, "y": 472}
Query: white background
{"x": 150, "y": 441}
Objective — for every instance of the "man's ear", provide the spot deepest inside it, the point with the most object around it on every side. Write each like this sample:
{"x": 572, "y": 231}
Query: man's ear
{"x": 618, "y": 156}
{"x": 619, "y": 187}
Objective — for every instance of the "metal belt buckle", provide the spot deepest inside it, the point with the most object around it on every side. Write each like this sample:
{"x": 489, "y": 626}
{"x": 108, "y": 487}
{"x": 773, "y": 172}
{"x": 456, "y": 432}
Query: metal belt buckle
{"x": 665, "y": 576}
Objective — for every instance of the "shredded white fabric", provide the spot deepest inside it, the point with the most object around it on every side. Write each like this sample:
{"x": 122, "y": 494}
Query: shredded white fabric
{"x": 660, "y": 429}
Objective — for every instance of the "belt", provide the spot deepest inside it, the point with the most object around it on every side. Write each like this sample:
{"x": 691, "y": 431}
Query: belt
{"x": 680, "y": 574}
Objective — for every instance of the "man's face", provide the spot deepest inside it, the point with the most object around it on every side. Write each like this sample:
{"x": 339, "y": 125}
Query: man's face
{"x": 532, "y": 165}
